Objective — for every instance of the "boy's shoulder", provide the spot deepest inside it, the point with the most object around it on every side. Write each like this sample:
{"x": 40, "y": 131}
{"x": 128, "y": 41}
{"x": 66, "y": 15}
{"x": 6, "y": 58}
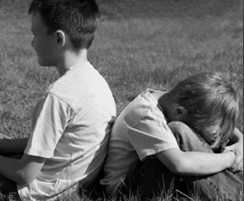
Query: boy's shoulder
{"x": 79, "y": 84}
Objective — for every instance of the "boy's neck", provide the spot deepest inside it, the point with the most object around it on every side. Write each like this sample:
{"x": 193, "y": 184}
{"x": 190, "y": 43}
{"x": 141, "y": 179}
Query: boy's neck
{"x": 163, "y": 101}
{"x": 69, "y": 59}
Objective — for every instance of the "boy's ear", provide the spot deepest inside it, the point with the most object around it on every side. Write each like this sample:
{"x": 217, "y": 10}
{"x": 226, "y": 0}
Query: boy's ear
{"x": 180, "y": 111}
{"x": 60, "y": 38}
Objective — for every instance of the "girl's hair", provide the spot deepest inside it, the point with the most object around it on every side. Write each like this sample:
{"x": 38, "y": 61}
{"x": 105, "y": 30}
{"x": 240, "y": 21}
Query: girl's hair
{"x": 209, "y": 99}
{"x": 78, "y": 18}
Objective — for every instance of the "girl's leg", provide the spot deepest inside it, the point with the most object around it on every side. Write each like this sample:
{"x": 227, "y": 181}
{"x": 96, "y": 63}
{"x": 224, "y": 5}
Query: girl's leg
{"x": 148, "y": 179}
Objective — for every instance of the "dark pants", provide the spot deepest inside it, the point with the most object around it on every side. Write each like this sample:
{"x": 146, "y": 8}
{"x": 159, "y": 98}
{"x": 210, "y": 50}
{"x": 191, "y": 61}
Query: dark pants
{"x": 151, "y": 178}
{"x": 8, "y": 188}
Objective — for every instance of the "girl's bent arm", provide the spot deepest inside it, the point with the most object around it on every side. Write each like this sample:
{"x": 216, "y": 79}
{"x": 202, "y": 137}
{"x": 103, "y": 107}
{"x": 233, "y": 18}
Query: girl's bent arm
{"x": 195, "y": 163}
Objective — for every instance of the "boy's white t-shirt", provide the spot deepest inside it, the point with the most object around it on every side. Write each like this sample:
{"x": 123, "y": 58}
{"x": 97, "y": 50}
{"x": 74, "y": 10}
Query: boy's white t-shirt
{"x": 139, "y": 131}
{"x": 70, "y": 126}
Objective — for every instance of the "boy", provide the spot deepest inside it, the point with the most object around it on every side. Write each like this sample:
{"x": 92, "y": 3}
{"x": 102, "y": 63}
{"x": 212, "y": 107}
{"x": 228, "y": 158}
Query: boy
{"x": 145, "y": 129}
{"x": 71, "y": 121}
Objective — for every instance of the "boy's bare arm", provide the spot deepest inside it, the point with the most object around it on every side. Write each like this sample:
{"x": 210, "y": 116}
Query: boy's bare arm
{"x": 22, "y": 171}
{"x": 195, "y": 163}
{"x": 13, "y": 146}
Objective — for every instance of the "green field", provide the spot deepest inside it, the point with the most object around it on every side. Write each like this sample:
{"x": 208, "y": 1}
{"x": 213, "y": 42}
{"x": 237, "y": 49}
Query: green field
{"x": 139, "y": 44}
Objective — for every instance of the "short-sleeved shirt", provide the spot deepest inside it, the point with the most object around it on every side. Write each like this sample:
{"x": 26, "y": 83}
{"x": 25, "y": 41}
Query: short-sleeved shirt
{"x": 139, "y": 131}
{"x": 70, "y": 128}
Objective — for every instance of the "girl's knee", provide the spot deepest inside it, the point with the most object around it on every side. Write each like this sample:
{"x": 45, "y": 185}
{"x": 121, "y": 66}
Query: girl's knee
{"x": 182, "y": 132}
{"x": 187, "y": 139}
{"x": 178, "y": 127}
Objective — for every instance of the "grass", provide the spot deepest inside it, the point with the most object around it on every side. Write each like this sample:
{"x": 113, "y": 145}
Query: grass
{"x": 139, "y": 44}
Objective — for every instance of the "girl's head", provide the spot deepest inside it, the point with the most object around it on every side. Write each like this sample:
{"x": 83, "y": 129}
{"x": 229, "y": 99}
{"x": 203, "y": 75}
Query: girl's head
{"x": 211, "y": 104}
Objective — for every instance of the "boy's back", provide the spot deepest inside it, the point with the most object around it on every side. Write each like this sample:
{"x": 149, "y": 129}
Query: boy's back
{"x": 71, "y": 121}
{"x": 81, "y": 104}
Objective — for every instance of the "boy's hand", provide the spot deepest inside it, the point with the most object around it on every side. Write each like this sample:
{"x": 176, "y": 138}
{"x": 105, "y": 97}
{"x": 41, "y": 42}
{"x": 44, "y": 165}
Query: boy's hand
{"x": 237, "y": 148}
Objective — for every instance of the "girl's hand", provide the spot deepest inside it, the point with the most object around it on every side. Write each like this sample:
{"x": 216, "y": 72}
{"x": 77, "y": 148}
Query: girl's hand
{"x": 237, "y": 148}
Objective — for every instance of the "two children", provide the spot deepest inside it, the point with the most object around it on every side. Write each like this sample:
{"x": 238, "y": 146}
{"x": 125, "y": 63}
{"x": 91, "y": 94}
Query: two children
{"x": 71, "y": 121}
{"x": 145, "y": 129}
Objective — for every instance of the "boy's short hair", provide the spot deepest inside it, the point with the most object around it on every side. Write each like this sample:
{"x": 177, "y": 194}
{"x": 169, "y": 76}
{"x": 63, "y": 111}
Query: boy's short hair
{"x": 209, "y": 99}
{"x": 77, "y": 18}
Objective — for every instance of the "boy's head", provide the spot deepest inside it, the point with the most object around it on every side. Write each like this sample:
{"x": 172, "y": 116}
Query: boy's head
{"x": 211, "y": 105}
{"x": 77, "y": 18}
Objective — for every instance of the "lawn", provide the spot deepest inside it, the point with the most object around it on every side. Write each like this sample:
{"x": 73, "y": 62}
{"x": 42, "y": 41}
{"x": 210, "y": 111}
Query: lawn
{"x": 139, "y": 44}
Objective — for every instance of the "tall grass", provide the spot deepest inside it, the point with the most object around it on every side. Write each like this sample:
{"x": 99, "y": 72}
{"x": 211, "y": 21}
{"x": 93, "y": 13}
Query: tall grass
{"x": 140, "y": 44}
